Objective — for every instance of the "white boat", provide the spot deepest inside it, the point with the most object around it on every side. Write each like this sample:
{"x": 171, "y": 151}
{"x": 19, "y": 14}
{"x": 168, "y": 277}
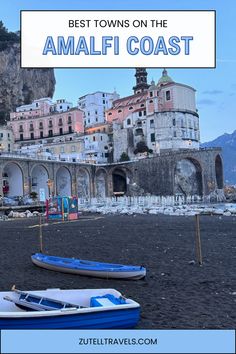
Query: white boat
{"x": 56, "y": 308}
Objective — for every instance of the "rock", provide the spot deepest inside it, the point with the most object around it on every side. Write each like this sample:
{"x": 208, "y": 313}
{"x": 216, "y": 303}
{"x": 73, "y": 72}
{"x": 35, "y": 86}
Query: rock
{"x": 227, "y": 213}
{"x": 21, "y": 86}
{"x": 192, "y": 262}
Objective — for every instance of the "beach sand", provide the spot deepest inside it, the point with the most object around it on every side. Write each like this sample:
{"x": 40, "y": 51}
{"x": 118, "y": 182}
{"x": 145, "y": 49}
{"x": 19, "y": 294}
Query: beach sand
{"x": 177, "y": 293}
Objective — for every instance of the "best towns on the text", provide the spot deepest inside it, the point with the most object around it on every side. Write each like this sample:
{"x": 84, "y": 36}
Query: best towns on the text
{"x": 117, "y": 23}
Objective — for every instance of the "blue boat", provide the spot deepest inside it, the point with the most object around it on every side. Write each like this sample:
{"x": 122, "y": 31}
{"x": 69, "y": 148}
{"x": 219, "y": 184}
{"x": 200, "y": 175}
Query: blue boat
{"x": 89, "y": 268}
{"x": 67, "y": 309}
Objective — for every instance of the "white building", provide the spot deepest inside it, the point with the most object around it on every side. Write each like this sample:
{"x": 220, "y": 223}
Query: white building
{"x": 166, "y": 120}
{"x": 96, "y": 147}
{"x": 95, "y": 105}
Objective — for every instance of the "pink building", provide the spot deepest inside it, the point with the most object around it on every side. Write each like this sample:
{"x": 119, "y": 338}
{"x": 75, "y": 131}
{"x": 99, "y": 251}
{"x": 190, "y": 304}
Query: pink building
{"x": 166, "y": 96}
{"x": 44, "y": 119}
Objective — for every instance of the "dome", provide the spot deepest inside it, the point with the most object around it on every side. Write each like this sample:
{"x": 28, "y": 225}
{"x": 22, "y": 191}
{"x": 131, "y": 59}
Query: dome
{"x": 165, "y": 78}
{"x": 152, "y": 86}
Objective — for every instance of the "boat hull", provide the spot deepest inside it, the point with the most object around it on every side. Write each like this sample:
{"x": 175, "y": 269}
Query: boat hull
{"x": 116, "y": 319}
{"x": 115, "y": 274}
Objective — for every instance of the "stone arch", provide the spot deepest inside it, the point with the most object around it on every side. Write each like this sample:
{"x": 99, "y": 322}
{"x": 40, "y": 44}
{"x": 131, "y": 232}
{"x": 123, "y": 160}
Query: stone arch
{"x": 83, "y": 183}
{"x": 188, "y": 177}
{"x": 63, "y": 182}
{"x": 219, "y": 172}
{"x": 121, "y": 178}
{"x": 119, "y": 181}
{"x": 101, "y": 183}
{"x": 39, "y": 180}
{"x": 13, "y": 182}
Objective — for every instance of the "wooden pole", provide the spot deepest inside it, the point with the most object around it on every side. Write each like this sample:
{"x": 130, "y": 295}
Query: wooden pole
{"x": 40, "y": 234}
{"x": 198, "y": 240}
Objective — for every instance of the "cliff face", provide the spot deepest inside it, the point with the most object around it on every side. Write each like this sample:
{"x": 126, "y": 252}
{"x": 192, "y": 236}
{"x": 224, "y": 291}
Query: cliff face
{"x": 21, "y": 86}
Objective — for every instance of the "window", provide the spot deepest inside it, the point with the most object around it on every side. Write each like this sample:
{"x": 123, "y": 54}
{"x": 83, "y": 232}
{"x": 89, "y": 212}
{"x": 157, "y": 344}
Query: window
{"x": 103, "y": 101}
{"x": 101, "y": 137}
{"x": 50, "y": 124}
{"x": 60, "y": 121}
{"x": 40, "y": 125}
{"x": 151, "y": 101}
{"x": 21, "y": 128}
{"x": 94, "y": 138}
{"x": 130, "y": 108}
{"x": 96, "y": 112}
{"x": 60, "y": 107}
{"x": 152, "y": 136}
{"x": 31, "y": 127}
{"x": 128, "y": 121}
{"x": 96, "y": 119}
{"x": 32, "y": 136}
{"x": 37, "y": 104}
{"x": 50, "y": 133}
{"x": 70, "y": 130}
{"x": 144, "y": 113}
{"x": 167, "y": 95}
{"x": 119, "y": 110}
{"x": 175, "y": 134}
{"x": 21, "y": 137}
{"x": 109, "y": 113}
{"x": 151, "y": 94}
{"x": 152, "y": 123}
{"x": 88, "y": 113}
{"x": 103, "y": 95}
{"x": 142, "y": 105}
{"x": 174, "y": 122}
{"x": 140, "y": 113}
{"x": 61, "y": 131}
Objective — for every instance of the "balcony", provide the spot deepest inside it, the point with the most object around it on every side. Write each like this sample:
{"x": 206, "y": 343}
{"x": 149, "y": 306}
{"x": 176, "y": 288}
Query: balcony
{"x": 60, "y": 124}
{"x": 21, "y": 130}
{"x": 31, "y": 129}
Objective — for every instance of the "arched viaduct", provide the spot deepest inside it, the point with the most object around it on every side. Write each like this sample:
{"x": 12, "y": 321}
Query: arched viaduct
{"x": 190, "y": 172}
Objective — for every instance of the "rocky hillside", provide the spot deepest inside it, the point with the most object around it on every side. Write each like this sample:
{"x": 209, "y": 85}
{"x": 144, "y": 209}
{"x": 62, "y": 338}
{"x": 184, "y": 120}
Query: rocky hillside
{"x": 228, "y": 144}
{"x": 19, "y": 86}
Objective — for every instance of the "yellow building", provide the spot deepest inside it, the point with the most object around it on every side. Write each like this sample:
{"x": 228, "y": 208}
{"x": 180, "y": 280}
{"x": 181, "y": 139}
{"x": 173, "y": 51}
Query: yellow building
{"x": 6, "y": 139}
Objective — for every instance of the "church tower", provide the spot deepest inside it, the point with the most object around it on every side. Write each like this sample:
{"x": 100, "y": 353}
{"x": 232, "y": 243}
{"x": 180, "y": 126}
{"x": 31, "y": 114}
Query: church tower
{"x": 141, "y": 80}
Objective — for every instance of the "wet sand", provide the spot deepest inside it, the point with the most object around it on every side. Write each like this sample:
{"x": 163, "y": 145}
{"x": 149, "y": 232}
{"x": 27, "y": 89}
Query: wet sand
{"x": 176, "y": 292}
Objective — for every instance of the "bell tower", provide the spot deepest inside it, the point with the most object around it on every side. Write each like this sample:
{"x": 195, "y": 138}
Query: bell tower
{"x": 141, "y": 80}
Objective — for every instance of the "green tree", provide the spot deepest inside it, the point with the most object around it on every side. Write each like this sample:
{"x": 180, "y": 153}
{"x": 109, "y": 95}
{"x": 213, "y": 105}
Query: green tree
{"x": 124, "y": 157}
{"x": 7, "y": 37}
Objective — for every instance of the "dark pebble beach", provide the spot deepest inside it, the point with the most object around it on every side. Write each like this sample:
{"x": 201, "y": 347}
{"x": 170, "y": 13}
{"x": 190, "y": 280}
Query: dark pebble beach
{"x": 176, "y": 293}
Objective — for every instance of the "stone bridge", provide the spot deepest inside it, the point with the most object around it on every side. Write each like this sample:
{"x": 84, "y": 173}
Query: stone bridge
{"x": 187, "y": 172}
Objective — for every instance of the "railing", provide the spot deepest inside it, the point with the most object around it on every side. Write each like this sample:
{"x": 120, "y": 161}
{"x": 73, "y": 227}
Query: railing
{"x": 148, "y": 202}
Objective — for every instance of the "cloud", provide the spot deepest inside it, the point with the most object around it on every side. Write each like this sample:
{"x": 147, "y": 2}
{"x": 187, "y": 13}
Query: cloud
{"x": 212, "y": 92}
{"x": 205, "y": 101}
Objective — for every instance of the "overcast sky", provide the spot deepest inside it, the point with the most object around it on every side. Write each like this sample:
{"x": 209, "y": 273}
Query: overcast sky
{"x": 216, "y": 88}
